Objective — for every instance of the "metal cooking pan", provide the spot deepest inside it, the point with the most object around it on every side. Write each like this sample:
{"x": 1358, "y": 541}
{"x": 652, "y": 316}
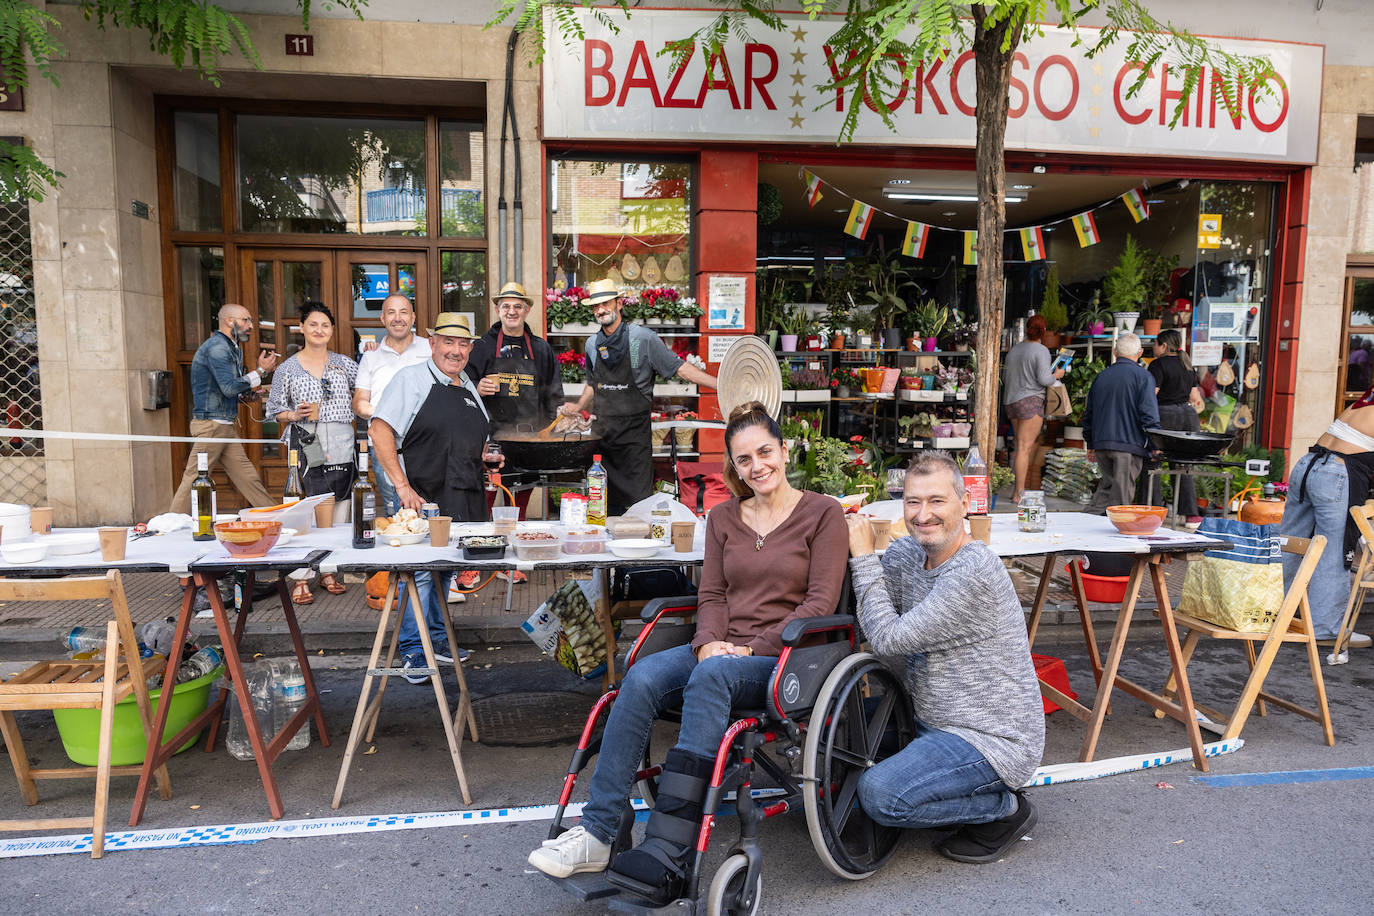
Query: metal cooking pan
{"x": 525, "y": 450}
{"x": 1185, "y": 445}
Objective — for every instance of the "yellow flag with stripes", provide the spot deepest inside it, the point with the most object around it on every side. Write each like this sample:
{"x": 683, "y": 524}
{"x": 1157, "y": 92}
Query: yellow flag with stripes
{"x": 971, "y": 247}
{"x": 860, "y": 218}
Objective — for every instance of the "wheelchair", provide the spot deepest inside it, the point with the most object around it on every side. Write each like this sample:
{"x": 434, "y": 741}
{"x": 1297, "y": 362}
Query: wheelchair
{"x": 832, "y": 712}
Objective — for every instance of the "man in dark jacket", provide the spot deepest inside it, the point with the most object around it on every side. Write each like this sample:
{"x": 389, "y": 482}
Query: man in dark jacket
{"x": 1121, "y": 406}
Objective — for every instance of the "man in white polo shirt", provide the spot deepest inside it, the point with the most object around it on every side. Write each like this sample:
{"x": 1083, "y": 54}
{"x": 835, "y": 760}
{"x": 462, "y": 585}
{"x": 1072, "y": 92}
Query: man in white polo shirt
{"x": 400, "y": 348}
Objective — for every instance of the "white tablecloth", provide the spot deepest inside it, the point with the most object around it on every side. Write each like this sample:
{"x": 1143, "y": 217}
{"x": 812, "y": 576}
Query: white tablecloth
{"x": 170, "y": 552}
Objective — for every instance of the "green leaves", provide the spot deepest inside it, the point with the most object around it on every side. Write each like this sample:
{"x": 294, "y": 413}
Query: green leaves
{"x": 23, "y": 174}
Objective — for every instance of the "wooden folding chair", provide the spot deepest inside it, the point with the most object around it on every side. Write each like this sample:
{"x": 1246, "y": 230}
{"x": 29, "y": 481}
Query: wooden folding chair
{"x": 1293, "y": 624}
{"x": 1364, "y": 581}
{"x": 67, "y": 684}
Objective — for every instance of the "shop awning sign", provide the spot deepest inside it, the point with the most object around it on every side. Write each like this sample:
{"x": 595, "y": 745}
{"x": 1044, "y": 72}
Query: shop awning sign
{"x": 617, "y": 86}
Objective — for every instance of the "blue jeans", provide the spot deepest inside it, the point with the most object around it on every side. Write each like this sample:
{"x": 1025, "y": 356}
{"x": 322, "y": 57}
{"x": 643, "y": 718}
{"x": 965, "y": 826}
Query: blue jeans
{"x": 430, "y": 597}
{"x": 706, "y": 690}
{"x": 937, "y": 780}
{"x": 1324, "y": 511}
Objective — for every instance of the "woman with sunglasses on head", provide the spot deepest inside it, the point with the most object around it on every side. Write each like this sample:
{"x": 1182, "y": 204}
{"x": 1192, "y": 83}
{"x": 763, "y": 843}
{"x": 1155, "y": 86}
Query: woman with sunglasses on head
{"x": 773, "y": 554}
{"x": 312, "y": 399}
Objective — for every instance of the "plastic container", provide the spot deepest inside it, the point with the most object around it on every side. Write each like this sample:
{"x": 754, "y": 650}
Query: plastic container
{"x": 157, "y": 636}
{"x": 83, "y": 639}
{"x": 504, "y": 518}
{"x": 585, "y": 540}
{"x": 80, "y": 728}
{"x": 258, "y": 677}
{"x": 288, "y": 696}
{"x": 537, "y": 545}
{"x": 480, "y": 547}
{"x": 1105, "y": 589}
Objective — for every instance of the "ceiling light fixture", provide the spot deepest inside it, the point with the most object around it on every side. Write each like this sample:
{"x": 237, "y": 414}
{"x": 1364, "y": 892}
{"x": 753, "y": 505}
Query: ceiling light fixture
{"x": 899, "y": 181}
{"x": 1039, "y": 169}
{"x": 949, "y": 195}
{"x": 1021, "y": 187}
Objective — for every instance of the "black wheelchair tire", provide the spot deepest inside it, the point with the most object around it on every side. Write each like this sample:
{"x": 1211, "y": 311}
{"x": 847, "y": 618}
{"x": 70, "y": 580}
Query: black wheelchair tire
{"x": 837, "y": 752}
{"x": 726, "y": 895}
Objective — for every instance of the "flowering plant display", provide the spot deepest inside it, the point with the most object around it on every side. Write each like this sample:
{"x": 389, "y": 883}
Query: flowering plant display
{"x": 846, "y": 377}
{"x": 564, "y": 306}
{"x": 808, "y": 379}
{"x": 572, "y": 366}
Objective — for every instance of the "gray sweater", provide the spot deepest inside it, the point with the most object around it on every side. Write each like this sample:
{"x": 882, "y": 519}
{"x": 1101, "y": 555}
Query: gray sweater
{"x": 1027, "y": 371}
{"x": 963, "y": 635}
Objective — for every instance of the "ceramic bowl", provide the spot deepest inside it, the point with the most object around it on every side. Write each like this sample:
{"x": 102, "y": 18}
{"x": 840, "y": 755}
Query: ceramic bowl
{"x": 1136, "y": 519}
{"x": 247, "y": 540}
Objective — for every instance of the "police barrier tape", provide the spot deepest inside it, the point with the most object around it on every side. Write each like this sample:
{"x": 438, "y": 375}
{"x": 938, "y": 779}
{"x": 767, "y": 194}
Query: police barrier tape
{"x": 234, "y": 834}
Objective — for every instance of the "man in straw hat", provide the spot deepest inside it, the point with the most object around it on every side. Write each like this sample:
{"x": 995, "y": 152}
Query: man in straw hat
{"x": 519, "y": 379}
{"x": 428, "y": 430}
{"x": 621, "y": 361}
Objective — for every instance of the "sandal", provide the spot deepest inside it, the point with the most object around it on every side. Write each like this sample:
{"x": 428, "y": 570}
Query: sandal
{"x": 300, "y": 594}
{"x": 332, "y": 585}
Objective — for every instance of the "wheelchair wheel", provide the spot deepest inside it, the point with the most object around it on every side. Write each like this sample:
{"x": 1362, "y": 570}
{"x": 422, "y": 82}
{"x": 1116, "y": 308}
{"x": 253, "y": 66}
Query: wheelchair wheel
{"x": 862, "y": 715}
{"x": 727, "y": 895}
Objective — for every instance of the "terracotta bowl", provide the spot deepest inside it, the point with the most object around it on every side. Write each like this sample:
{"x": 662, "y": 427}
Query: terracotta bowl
{"x": 247, "y": 540}
{"x": 1136, "y": 519}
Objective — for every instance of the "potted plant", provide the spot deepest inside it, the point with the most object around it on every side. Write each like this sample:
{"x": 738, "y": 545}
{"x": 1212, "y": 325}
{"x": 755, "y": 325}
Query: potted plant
{"x": 1092, "y": 318}
{"x": 1052, "y": 309}
{"x": 1124, "y": 286}
{"x": 930, "y": 317}
{"x": 809, "y": 385}
{"x": 1155, "y": 275}
{"x": 792, "y": 321}
{"x": 769, "y": 298}
{"x": 563, "y": 309}
{"x": 844, "y": 380}
{"x": 884, "y": 278}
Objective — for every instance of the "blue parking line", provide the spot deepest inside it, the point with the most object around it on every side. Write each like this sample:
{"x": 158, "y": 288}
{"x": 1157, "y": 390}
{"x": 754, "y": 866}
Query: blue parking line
{"x": 1285, "y": 777}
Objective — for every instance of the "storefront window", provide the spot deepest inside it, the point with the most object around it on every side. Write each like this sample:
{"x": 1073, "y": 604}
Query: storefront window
{"x": 461, "y": 160}
{"x": 1357, "y": 357}
{"x": 629, "y": 221}
{"x": 197, "y": 171}
{"x": 202, "y": 292}
{"x": 331, "y": 175}
{"x": 463, "y": 285}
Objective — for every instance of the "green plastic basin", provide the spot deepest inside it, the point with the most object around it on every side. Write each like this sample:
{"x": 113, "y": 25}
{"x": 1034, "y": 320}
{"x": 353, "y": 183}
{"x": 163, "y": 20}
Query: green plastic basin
{"x": 80, "y": 728}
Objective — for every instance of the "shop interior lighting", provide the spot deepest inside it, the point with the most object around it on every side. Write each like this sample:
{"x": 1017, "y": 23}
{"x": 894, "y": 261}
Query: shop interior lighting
{"x": 1021, "y": 187}
{"x": 948, "y": 195}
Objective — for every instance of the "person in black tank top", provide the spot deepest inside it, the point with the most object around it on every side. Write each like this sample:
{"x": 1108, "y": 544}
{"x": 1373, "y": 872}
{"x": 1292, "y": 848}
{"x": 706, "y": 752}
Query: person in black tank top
{"x": 1176, "y": 390}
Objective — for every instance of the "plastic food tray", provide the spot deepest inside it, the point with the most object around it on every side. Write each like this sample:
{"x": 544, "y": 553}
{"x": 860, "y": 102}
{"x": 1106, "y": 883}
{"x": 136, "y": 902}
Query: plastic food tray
{"x": 585, "y": 541}
{"x": 544, "y": 548}
{"x": 483, "y": 553}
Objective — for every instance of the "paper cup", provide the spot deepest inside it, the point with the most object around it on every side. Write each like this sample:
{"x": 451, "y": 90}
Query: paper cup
{"x": 683, "y": 534}
{"x": 313, "y": 412}
{"x": 882, "y": 532}
{"x": 324, "y": 513}
{"x": 980, "y": 526}
{"x": 438, "y": 530}
{"x": 112, "y": 543}
{"x": 40, "y": 519}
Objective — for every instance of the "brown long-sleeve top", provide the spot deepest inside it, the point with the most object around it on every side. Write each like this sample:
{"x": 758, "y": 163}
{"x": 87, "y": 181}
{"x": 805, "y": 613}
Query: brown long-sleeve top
{"x": 747, "y": 596}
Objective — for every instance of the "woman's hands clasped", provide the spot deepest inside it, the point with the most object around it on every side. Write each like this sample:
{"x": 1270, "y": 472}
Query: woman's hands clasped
{"x": 719, "y": 647}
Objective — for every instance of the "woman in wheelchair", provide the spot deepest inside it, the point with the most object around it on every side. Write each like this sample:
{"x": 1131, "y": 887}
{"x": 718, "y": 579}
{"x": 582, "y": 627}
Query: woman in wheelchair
{"x": 773, "y": 554}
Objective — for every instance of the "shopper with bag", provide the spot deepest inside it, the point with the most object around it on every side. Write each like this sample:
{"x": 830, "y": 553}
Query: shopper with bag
{"x": 1027, "y": 378}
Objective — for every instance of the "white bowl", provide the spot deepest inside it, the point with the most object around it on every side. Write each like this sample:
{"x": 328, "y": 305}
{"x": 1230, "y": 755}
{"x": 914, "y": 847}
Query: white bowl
{"x": 636, "y": 548}
{"x": 24, "y": 551}
{"x": 286, "y": 535}
{"x": 400, "y": 540}
{"x": 60, "y": 545}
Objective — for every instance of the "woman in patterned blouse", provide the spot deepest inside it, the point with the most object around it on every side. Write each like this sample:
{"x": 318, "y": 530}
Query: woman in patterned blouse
{"x": 312, "y": 396}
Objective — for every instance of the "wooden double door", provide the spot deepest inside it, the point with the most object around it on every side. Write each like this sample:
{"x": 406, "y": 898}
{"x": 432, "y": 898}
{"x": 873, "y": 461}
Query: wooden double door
{"x": 276, "y": 282}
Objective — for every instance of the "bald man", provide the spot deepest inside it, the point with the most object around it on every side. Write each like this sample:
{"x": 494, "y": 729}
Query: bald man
{"x": 217, "y": 383}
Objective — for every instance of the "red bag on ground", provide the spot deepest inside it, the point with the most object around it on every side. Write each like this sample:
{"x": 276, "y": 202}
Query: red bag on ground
{"x": 701, "y": 486}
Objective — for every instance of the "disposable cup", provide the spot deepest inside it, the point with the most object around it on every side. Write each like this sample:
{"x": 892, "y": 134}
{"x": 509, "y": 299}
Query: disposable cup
{"x": 112, "y": 543}
{"x": 882, "y": 532}
{"x": 40, "y": 519}
{"x": 980, "y": 526}
{"x": 324, "y": 513}
{"x": 683, "y": 534}
{"x": 438, "y": 530}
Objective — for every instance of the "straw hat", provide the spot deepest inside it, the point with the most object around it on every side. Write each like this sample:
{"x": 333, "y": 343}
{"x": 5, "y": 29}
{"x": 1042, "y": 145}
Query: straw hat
{"x": 601, "y": 291}
{"x": 512, "y": 290}
{"x": 453, "y": 324}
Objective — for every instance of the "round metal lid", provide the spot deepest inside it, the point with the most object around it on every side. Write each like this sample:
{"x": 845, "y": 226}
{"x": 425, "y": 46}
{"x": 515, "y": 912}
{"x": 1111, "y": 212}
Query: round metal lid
{"x": 749, "y": 372}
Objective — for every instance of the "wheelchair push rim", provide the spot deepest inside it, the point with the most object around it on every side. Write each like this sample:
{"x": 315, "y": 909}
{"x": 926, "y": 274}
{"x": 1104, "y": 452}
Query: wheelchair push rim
{"x": 842, "y": 742}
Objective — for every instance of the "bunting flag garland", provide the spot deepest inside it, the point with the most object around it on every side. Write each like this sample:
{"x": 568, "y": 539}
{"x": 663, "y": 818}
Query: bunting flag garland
{"x": 971, "y": 247}
{"x": 1086, "y": 228}
{"x": 813, "y": 189}
{"x": 1135, "y": 202}
{"x": 860, "y": 218}
{"x": 1033, "y": 243}
{"x": 914, "y": 244}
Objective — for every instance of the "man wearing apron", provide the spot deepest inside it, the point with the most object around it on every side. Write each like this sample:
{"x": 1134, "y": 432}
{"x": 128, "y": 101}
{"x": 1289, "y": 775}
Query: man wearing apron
{"x": 622, "y": 359}
{"x": 431, "y": 414}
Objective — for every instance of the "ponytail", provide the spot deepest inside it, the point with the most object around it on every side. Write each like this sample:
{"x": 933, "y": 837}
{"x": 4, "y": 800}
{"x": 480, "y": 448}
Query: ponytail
{"x": 1171, "y": 340}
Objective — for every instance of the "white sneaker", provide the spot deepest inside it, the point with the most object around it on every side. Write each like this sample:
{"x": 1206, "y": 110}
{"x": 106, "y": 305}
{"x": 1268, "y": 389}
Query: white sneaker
{"x": 455, "y": 594}
{"x": 1357, "y": 641}
{"x": 573, "y": 853}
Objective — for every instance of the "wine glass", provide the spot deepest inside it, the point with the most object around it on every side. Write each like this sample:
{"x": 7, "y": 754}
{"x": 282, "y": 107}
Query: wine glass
{"x": 896, "y": 479}
{"x": 491, "y": 457}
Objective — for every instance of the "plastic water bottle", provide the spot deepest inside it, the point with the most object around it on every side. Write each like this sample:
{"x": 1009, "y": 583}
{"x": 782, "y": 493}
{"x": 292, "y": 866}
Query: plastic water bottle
{"x": 83, "y": 639}
{"x": 258, "y": 677}
{"x": 976, "y": 482}
{"x": 202, "y": 663}
{"x": 596, "y": 493}
{"x": 288, "y": 696}
{"x": 157, "y": 635}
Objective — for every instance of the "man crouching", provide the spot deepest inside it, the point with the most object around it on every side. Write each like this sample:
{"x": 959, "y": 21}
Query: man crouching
{"x": 944, "y": 602}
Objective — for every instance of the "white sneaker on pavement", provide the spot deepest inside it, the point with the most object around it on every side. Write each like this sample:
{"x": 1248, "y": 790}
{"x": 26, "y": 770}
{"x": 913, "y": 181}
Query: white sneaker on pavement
{"x": 573, "y": 853}
{"x": 1357, "y": 641}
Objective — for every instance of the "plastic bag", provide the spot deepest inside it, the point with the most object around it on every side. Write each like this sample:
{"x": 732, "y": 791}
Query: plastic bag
{"x": 565, "y": 628}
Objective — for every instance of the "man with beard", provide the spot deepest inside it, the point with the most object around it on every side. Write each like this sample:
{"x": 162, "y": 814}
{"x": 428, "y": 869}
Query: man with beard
{"x": 621, "y": 361}
{"x": 943, "y": 604}
{"x": 217, "y": 383}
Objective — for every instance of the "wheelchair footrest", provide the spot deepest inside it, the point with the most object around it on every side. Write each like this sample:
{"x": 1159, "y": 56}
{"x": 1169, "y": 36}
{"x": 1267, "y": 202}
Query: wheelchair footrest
{"x": 625, "y": 904}
{"x": 586, "y": 886}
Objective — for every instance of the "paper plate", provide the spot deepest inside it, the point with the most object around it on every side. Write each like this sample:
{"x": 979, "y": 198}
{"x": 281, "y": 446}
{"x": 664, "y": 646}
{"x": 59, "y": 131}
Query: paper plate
{"x": 749, "y": 372}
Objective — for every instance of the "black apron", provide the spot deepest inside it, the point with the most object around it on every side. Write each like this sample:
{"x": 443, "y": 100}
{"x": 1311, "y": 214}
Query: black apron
{"x": 443, "y": 452}
{"x": 516, "y": 402}
{"x": 622, "y": 413}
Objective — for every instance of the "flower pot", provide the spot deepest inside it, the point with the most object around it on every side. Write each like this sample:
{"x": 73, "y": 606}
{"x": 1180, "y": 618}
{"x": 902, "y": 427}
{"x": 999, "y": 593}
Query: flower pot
{"x": 931, "y": 344}
{"x": 873, "y": 379}
{"x": 773, "y": 340}
{"x": 654, "y": 321}
{"x": 1125, "y": 321}
{"x": 658, "y": 437}
{"x": 1096, "y": 328}
{"x": 685, "y": 437}
{"x": 837, "y": 341}
{"x": 892, "y": 339}
{"x": 863, "y": 341}
{"x": 841, "y": 391}
{"x": 914, "y": 342}
{"x": 1073, "y": 436}
{"x": 813, "y": 343}
{"x": 789, "y": 343}
{"x": 1050, "y": 340}
{"x": 928, "y": 382}
{"x": 1151, "y": 326}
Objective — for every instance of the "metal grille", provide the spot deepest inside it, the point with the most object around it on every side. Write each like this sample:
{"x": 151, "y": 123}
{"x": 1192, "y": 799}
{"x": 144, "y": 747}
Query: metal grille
{"x": 23, "y": 475}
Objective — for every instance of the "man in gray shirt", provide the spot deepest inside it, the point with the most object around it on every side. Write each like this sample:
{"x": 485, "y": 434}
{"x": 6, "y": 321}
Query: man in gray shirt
{"x": 944, "y": 604}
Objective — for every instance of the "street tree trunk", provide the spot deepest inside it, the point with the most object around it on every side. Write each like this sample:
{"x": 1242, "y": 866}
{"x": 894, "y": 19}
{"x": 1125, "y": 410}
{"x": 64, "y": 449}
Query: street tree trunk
{"x": 992, "y": 63}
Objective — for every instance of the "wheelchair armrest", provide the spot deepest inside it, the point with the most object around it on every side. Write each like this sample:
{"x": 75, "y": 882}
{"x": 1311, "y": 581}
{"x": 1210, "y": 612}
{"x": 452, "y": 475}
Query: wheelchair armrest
{"x": 684, "y": 606}
{"x": 839, "y": 625}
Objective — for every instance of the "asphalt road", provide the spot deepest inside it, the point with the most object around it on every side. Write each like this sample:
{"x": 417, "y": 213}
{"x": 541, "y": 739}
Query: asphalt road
{"x": 1158, "y": 841}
